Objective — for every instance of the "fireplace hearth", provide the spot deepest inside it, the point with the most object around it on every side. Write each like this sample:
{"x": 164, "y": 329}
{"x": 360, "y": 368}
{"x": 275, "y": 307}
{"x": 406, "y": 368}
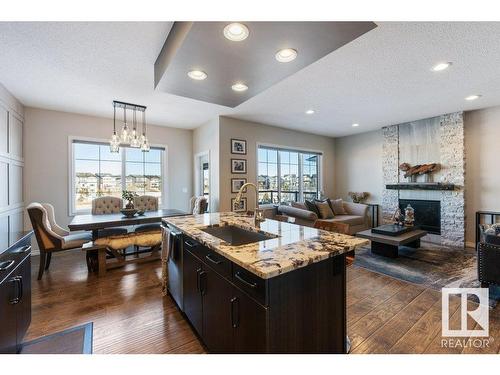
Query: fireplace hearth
{"x": 427, "y": 213}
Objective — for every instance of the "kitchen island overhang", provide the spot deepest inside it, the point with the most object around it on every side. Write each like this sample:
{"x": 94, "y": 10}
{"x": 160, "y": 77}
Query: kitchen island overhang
{"x": 285, "y": 294}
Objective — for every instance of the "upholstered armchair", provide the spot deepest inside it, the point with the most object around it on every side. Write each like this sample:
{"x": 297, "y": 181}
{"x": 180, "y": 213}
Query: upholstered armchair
{"x": 104, "y": 206}
{"x": 50, "y": 236}
{"x": 198, "y": 205}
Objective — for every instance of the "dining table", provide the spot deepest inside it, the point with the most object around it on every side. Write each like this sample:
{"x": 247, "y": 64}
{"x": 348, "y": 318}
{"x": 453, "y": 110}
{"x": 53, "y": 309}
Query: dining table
{"x": 94, "y": 223}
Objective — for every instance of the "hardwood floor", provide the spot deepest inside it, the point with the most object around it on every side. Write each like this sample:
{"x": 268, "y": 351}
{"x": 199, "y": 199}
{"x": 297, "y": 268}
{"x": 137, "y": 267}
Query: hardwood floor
{"x": 385, "y": 315}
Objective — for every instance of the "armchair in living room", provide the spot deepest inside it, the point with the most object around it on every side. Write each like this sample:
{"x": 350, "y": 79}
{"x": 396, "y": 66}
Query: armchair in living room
{"x": 488, "y": 256}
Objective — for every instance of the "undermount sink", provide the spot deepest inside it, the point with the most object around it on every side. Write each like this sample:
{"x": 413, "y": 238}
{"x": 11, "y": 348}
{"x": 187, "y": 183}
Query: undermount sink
{"x": 237, "y": 236}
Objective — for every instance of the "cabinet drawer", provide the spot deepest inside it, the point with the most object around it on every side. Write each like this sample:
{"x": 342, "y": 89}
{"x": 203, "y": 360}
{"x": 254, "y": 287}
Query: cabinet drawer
{"x": 251, "y": 284}
{"x": 216, "y": 261}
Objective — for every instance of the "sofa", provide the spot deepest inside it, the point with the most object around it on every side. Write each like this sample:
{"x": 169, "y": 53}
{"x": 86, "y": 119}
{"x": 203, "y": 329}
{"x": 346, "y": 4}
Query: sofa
{"x": 356, "y": 215}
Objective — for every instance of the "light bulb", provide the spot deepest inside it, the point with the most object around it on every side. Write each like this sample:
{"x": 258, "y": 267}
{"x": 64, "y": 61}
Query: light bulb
{"x": 125, "y": 134}
{"x": 145, "y": 146}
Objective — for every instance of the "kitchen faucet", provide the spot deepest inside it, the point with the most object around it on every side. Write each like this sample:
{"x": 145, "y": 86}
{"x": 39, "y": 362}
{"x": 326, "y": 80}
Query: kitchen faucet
{"x": 258, "y": 215}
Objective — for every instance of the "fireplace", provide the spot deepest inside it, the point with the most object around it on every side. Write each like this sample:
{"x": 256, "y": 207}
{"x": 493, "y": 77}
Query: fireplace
{"x": 427, "y": 213}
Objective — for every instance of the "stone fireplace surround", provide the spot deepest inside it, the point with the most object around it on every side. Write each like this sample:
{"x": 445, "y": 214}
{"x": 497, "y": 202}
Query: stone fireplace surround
{"x": 449, "y": 147}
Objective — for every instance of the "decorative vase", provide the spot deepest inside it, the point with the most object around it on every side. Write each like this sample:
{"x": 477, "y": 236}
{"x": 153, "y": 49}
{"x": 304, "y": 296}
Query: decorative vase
{"x": 409, "y": 216}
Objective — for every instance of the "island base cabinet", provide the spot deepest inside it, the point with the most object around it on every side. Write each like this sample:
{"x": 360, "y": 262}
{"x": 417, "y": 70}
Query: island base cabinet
{"x": 192, "y": 294}
{"x": 304, "y": 311}
{"x": 249, "y": 324}
{"x": 217, "y": 326}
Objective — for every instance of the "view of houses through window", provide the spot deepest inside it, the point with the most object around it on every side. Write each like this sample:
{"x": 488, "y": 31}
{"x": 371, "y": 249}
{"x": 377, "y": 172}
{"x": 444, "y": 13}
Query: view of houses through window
{"x": 287, "y": 175}
{"x": 98, "y": 172}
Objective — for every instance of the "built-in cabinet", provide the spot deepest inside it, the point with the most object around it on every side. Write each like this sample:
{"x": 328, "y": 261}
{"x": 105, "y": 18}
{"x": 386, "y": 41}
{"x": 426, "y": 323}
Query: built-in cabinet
{"x": 11, "y": 173}
{"x": 235, "y": 311}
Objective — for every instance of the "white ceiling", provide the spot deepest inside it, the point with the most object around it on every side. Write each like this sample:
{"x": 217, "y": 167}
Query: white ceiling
{"x": 381, "y": 78}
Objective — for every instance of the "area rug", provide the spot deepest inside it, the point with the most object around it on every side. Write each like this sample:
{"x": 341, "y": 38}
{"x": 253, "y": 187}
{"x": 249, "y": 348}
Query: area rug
{"x": 433, "y": 266}
{"x": 76, "y": 340}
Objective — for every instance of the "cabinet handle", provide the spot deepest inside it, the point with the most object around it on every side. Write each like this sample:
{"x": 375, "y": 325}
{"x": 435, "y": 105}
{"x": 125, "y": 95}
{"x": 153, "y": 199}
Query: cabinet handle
{"x": 203, "y": 284}
{"x": 198, "y": 279}
{"x": 235, "y": 322}
{"x": 16, "y": 300}
{"x": 6, "y": 265}
{"x": 214, "y": 261}
{"x": 21, "y": 289}
{"x": 247, "y": 283}
{"x": 190, "y": 244}
{"x": 26, "y": 249}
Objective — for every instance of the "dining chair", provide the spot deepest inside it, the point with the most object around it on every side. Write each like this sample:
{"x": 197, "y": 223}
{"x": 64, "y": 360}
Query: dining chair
{"x": 50, "y": 236}
{"x": 146, "y": 203}
{"x": 198, "y": 205}
{"x": 104, "y": 206}
{"x": 337, "y": 227}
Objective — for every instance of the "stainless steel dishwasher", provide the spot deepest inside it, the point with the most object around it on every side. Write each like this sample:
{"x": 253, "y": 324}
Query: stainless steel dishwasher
{"x": 175, "y": 264}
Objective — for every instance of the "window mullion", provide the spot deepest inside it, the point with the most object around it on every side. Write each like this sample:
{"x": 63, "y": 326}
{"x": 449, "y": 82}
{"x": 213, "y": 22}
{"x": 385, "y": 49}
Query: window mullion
{"x": 278, "y": 170}
{"x": 124, "y": 169}
{"x": 301, "y": 179}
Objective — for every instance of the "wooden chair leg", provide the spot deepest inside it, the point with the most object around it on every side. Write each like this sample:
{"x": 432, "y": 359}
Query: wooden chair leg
{"x": 47, "y": 265}
{"x": 43, "y": 256}
{"x": 101, "y": 256}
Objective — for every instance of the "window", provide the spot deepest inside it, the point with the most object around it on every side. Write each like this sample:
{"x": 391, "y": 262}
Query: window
{"x": 287, "y": 175}
{"x": 98, "y": 172}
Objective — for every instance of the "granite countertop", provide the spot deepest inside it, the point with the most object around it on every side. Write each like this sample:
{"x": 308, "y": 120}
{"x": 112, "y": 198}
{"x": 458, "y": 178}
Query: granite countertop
{"x": 295, "y": 246}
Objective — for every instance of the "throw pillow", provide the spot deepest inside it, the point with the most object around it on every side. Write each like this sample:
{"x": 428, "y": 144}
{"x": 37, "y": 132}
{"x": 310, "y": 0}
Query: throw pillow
{"x": 325, "y": 200}
{"x": 311, "y": 207}
{"x": 299, "y": 205}
{"x": 325, "y": 212}
{"x": 338, "y": 207}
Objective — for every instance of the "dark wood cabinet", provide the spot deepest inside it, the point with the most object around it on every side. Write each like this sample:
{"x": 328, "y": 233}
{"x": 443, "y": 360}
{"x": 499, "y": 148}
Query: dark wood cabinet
{"x": 235, "y": 311}
{"x": 249, "y": 324}
{"x": 192, "y": 294}
{"x": 8, "y": 292}
{"x": 217, "y": 325}
{"x": 15, "y": 294}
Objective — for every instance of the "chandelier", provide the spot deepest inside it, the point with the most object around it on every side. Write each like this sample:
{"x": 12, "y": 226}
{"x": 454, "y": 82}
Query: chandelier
{"x": 130, "y": 134}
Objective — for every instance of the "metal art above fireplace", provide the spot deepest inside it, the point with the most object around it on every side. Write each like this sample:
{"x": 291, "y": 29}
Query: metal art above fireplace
{"x": 427, "y": 213}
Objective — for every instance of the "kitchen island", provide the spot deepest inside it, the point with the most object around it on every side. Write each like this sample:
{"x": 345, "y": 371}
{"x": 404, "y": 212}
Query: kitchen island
{"x": 280, "y": 288}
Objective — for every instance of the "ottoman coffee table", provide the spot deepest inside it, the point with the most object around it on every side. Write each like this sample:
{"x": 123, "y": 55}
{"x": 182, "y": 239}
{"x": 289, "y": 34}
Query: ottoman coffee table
{"x": 386, "y": 239}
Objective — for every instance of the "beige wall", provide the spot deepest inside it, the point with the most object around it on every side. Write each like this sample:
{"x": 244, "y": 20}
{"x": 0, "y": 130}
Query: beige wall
{"x": 358, "y": 165}
{"x": 255, "y": 133}
{"x": 482, "y": 172}
{"x": 206, "y": 139}
{"x": 46, "y": 155}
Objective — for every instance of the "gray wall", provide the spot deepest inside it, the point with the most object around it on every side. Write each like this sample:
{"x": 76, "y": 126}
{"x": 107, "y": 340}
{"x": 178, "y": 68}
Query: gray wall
{"x": 47, "y": 160}
{"x": 255, "y": 133}
{"x": 358, "y": 165}
{"x": 482, "y": 172}
{"x": 206, "y": 139}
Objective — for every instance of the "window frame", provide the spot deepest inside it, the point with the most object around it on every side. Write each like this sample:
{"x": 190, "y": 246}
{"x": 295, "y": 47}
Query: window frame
{"x": 301, "y": 151}
{"x": 72, "y": 211}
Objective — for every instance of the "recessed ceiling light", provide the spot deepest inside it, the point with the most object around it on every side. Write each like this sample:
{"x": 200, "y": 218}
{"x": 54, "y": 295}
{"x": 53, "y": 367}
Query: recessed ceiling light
{"x": 286, "y": 55}
{"x": 197, "y": 75}
{"x": 239, "y": 87}
{"x": 310, "y": 111}
{"x": 472, "y": 97}
{"x": 355, "y": 125}
{"x": 236, "y": 32}
{"x": 441, "y": 66}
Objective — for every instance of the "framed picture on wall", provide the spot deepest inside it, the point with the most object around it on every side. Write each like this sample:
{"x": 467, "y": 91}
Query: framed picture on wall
{"x": 242, "y": 207}
{"x": 237, "y": 183}
{"x": 238, "y": 146}
{"x": 238, "y": 166}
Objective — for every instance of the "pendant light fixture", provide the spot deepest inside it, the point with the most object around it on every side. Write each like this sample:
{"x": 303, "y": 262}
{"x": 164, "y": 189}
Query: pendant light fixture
{"x": 129, "y": 137}
{"x": 134, "y": 137}
{"x": 114, "y": 143}
{"x": 145, "y": 142}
